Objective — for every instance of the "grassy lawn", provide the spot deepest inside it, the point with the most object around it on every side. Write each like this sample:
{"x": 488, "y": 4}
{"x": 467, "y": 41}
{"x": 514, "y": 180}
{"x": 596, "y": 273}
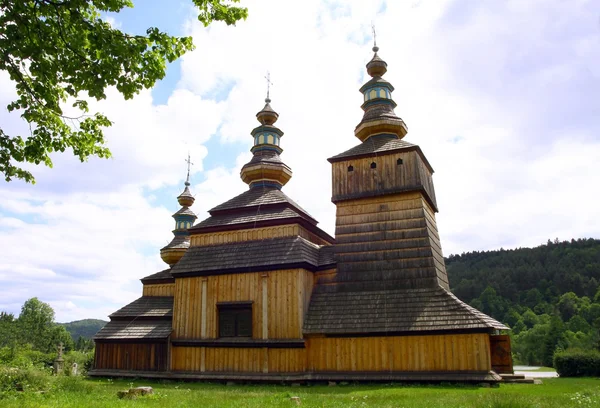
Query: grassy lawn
{"x": 560, "y": 392}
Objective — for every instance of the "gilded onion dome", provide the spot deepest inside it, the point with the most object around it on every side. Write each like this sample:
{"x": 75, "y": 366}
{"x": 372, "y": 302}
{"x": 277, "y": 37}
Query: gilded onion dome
{"x": 184, "y": 219}
{"x": 379, "y": 117}
{"x": 266, "y": 168}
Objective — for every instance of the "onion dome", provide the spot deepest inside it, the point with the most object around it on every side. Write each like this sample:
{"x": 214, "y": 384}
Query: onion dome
{"x": 266, "y": 168}
{"x": 379, "y": 117}
{"x": 184, "y": 219}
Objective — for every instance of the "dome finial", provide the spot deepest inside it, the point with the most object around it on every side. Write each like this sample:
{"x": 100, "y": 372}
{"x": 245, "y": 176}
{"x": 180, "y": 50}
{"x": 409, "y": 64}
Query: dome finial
{"x": 375, "y": 47}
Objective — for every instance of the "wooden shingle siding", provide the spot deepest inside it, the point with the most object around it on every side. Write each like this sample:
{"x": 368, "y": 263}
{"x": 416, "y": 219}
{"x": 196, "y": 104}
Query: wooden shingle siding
{"x": 288, "y": 295}
{"x": 452, "y": 352}
{"x": 131, "y": 356}
{"x": 395, "y": 233}
{"x": 164, "y": 289}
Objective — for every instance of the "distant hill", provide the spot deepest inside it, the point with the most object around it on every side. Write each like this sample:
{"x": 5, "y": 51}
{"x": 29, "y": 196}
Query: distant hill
{"x": 528, "y": 276}
{"x": 548, "y": 295}
{"x": 85, "y": 328}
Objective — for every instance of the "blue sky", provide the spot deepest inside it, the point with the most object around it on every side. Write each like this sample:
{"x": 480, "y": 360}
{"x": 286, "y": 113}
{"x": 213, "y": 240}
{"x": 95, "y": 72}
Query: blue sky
{"x": 502, "y": 96}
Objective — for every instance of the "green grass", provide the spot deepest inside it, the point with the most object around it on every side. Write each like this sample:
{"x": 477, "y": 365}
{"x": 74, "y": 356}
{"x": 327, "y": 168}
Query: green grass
{"x": 544, "y": 370}
{"x": 560, "y": 392}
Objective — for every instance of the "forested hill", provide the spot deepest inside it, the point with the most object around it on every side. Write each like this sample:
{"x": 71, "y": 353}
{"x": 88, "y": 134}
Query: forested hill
{"x": 543, "y": 292}
{"x": 84, "y": 328}
{"x": 528, "y": 276}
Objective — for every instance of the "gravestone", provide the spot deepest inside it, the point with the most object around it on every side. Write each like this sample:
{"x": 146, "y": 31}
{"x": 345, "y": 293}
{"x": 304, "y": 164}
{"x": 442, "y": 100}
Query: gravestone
{"x": 59, "y": 361}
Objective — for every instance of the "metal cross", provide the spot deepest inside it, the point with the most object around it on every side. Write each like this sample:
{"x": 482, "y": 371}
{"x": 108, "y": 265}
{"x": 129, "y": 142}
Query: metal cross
{"x": 374, "y": 34}
{"x": 189, "y": 164}
{"x": 269, "y": 83}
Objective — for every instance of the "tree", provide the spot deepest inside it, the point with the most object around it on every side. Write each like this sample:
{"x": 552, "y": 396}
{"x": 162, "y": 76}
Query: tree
{"x": 59, "y": 51}
{"x": 36, "y": 326}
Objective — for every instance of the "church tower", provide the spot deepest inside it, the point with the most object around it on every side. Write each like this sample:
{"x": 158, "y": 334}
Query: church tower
{"x": 383, "y": 191}
{"x": 184, "y": 219}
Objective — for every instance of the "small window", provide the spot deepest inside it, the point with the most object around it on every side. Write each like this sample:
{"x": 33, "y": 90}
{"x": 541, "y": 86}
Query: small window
{"x": 399, "y": 162}
{"x": 373, "y": 165}
{"x": 235, "y": 319}
{"x": 350, "y": 168}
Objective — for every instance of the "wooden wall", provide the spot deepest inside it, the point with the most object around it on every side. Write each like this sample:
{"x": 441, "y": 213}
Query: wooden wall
{"x": 395, "y": 234}
{"x": 280, "y": 301}
{"x": 159, "y": 289}
{"x": 131, "y": 356}
{"x": 388, "y": 175}
{"x": 452, "y": 352}
{"x": 254, "y": 360}
{"x": 224, "y": 237}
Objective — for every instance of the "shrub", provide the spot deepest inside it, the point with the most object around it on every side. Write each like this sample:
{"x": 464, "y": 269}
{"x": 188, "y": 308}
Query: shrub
{"x": 72, "y": 384}
{"x": 577, "y": 363}
{"x": 23, "y": 379}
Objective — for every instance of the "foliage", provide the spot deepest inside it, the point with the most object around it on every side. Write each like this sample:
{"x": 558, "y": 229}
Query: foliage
{"x": 577, "y": 363}
{"x": 85, "y": 329}
{"x": 35, "y": 327}
{"x": 74, "y": 392}
{"x": 23, "y": 379}
{"x": 61, "y": 53}
{"x": 549, "y": 296}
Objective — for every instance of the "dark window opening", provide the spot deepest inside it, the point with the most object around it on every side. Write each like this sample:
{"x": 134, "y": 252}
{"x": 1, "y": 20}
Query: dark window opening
{"x": 350, "y": 168}
{"x": 399, "y": 161}
{"x": 235, "y": 319}
{"x": 373, "y": 165}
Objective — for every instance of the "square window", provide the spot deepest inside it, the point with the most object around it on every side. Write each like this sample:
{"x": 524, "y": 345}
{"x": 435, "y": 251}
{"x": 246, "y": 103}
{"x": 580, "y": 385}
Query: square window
{"x": 235, "y": 319}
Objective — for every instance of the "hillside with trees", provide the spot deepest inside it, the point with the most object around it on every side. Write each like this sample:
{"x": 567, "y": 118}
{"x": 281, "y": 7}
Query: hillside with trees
{"x": 85, "y": 328}
{"x": 548, "y": 295}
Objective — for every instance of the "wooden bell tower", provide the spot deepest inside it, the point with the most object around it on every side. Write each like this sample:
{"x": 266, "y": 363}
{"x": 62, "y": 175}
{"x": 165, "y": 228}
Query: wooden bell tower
{"x": 383, "y": 190}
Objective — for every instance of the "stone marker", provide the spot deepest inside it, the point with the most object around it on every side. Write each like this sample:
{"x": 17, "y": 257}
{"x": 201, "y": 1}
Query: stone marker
{"x": 74, "y": 369}
{"x": 57, "y": 367}
{"x": 296, "y": 400}
{"x": 133, "y": 393}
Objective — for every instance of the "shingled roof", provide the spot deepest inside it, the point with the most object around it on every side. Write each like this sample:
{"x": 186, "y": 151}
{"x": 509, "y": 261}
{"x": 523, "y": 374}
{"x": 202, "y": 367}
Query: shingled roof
{"x": 258, "y": 196}
{"x": 334, "y": 310}
{"x": 135, "y": 330}
{"x": 250, "y": 216}
{"x": 147, "y": 307}
{"x": 158, "y": 276}
{"x": 373, "y": 145}
{"x": 249, "y": 256}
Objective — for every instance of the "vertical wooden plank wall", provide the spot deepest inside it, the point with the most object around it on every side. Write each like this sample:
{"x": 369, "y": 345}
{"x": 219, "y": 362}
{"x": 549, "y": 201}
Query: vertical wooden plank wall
{"x": 286, "y": 304}
{"x": 388, "y": 174}
{"x": 161, "y": 289}
{"x": 452, "y": 352}
{"x": 288, "y": 295}
{"x": 224, "y": 237}
{"x": 131, "y": 356}
{"x": 252, "y": 360}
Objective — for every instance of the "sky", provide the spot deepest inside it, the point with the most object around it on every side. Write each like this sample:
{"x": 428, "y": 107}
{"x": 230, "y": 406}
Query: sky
{"x": 503, "y": 96}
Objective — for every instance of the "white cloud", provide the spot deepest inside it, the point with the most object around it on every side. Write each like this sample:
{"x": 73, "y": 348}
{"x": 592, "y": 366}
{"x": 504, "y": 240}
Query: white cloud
{"x": 500, "y": 96}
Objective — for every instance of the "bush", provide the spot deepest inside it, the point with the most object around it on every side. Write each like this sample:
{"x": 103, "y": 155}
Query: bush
{"x": 81, "y": 358}
{"x": 23, "y": 379}
{"x": 577, "y": 363}
{"x": 72, "y": 384}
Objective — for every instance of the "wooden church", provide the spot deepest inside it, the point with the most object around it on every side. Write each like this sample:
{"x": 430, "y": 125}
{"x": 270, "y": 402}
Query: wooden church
{"x": 257, "y": 291}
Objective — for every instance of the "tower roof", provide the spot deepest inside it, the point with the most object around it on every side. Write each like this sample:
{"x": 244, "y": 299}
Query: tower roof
{"x": 379, "y": 117}
{"x": 184, "y": 219}
{"x": 266, "y": 169}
